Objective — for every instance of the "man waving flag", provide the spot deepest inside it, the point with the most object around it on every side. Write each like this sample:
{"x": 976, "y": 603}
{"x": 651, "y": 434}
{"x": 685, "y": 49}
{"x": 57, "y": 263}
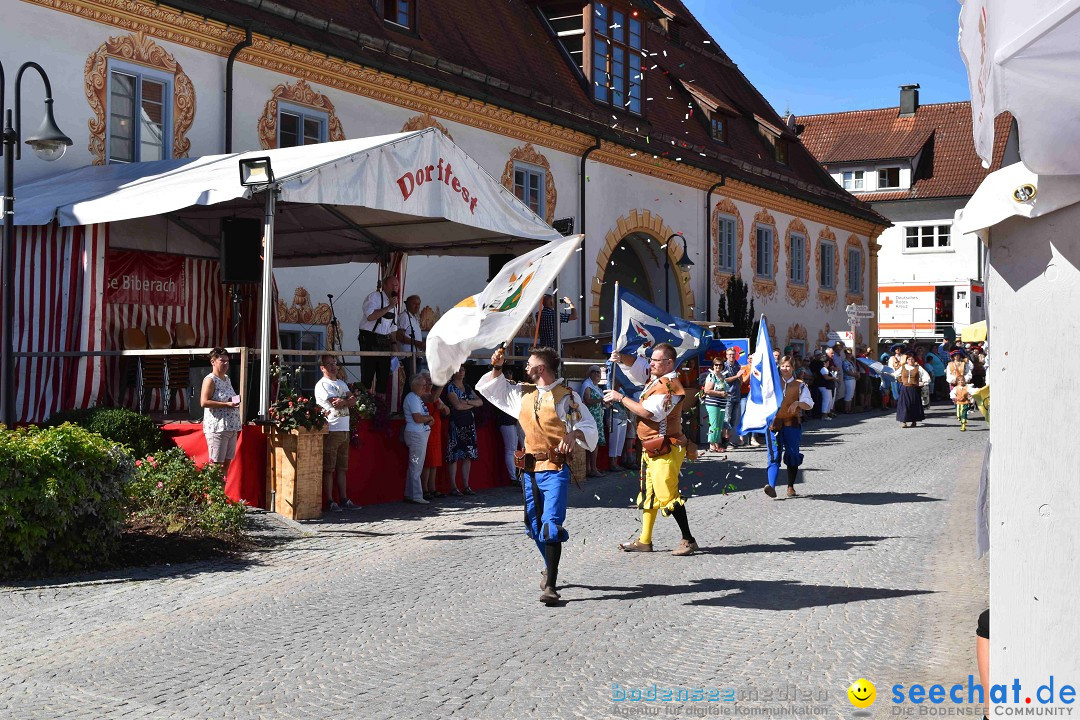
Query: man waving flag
{"x": 764, "y": 398}
{"x": 494, "y": 315}
{"x": 639, "y": 324}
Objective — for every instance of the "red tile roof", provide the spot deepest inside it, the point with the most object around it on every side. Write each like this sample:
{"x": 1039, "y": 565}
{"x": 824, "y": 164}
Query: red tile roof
{"x": 501, "y": 52}
{"x": 950, "y": 167}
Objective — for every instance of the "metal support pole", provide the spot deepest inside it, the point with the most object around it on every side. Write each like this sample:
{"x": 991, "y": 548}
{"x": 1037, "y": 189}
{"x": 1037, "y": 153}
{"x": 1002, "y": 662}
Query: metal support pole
{"x": 7, "y": 306}
{"x": 267, "y": 297}
{"x": 667, "y": 279}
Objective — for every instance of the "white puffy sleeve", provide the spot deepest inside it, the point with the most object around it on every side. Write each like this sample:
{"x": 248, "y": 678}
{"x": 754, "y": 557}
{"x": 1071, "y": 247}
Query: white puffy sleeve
{"x": 586, "y": 424}
{"x": 501, "y": 393}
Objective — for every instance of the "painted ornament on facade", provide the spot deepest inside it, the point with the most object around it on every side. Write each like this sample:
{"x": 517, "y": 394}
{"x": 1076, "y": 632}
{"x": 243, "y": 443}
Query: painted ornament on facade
{"x": 528, "y": 154}
{"x": 424, "y": 121}
{"x": 140, "y": 49}
{"x": 798, "y": 293}
{"x": 299, "y": 93}
{"x": 764, "y": 287}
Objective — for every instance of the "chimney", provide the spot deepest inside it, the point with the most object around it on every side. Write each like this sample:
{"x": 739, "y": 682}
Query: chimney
{"x": 909, "y": 100}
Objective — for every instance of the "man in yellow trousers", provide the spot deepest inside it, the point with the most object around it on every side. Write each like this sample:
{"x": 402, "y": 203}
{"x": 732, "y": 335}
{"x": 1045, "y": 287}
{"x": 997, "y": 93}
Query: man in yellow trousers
{"x": 663, "y": 445}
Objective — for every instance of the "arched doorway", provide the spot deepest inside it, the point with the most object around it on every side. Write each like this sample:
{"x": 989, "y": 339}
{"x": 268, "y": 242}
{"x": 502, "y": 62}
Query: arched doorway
{"x": 633, "y": 254}
{"x": 633, "y": 265}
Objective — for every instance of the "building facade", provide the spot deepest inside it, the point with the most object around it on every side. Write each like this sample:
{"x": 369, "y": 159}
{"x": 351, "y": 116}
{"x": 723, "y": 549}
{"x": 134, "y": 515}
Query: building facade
{"x": 916, "y": 165}
{"x": 624, "y": 119}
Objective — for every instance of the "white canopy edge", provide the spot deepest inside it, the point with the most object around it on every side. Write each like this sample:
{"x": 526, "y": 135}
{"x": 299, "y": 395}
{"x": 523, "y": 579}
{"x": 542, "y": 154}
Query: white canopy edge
{"x": 999, "y": 197}
{"x": 420, "y": 174}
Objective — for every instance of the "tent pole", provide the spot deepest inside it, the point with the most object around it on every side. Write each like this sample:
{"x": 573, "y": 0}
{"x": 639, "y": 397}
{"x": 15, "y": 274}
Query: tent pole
{"x": 265, "y": 305}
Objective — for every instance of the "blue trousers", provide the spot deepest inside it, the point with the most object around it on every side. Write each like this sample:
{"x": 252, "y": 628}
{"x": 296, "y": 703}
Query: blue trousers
{"x": 783, "y": 444}
{"x": 545, "y": 505}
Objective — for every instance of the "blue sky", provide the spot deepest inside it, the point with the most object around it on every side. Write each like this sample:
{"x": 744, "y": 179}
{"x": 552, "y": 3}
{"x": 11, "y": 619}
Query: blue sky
{"x": 815, "y": 56}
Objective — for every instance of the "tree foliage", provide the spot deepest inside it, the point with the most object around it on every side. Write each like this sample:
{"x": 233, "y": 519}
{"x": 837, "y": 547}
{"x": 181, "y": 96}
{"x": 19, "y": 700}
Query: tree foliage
{"x": 737, "y": 307}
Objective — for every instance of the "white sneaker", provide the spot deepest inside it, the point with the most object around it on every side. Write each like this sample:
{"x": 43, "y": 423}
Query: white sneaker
{"x": 754, "y": 442}
{"x": 421, "y": 501}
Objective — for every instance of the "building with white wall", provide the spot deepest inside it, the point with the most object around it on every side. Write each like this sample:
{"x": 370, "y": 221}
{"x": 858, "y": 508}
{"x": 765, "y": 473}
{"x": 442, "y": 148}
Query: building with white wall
{"x": 623, "y": 117}
{"x": 916, "y": 165}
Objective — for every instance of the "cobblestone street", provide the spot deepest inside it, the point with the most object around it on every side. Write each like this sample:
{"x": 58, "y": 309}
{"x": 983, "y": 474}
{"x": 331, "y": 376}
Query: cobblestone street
{"x": 392, "y": 611}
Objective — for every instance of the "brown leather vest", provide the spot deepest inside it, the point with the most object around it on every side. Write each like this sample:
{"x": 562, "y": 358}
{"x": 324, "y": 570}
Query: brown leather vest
{"x": 543, "y": 428}
{"x": 649, "y": 428}
{"x": 957, "y": 369}
{"x": 909, "y": 377}
{"x": 791, "y": 395}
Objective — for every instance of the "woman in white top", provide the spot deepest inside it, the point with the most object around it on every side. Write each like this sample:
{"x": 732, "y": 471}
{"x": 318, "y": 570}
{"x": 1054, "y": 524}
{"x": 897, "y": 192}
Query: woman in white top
{"x": 221, "y": 411}
{"x": 417, "y": 427}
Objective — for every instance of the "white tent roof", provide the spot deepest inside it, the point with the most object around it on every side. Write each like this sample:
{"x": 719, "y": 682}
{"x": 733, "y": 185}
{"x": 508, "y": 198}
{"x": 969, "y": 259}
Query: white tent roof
{"x": 1024, "y": 57}
{"x": 1002, "y": 195}
{"x": 338, "y": 201}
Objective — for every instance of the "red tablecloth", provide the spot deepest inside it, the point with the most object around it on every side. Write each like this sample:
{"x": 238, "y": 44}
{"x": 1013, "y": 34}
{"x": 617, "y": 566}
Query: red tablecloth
{"x": 377, "y": 464}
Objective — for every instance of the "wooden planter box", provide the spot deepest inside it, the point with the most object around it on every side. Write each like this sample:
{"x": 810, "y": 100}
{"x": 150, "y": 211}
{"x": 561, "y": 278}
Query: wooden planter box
{"x": 296, "y": 473}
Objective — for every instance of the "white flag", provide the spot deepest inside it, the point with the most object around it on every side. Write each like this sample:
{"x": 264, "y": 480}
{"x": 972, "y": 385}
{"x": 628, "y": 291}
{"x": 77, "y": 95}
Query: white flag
{"x": 495, "y": 314}
{"x": 764, "y": 398}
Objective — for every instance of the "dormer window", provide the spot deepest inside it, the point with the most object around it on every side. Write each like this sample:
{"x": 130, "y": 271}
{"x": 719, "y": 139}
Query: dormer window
{"x": 853, "y": 180}
{"x": 719, "y": 127}
{"x": 888, "y": 178}
{"x": 616, "y": 62}
{"x": 780, "y": 151}
{"x": 401, "y": 13}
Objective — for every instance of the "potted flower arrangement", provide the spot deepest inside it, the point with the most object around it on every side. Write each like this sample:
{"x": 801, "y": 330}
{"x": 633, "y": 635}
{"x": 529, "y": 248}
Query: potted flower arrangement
{"x": 298, "y": 426}
{"x": 367, "y": 405}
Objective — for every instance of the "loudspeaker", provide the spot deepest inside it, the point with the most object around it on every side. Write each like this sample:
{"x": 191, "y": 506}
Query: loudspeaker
{"x": 196, "y": 374}
{"x": 496, "y": 263}
{"x": 241, "y": 250}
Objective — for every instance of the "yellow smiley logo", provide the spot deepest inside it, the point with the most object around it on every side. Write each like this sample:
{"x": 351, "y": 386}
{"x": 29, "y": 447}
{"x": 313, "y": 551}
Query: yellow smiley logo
{"x": 862, "y": 693}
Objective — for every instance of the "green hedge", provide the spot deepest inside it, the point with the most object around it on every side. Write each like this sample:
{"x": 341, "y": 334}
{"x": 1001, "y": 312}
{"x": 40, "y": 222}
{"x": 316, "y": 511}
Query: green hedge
{"x": 121, "y": 425}
{"x": 61, "y": 498}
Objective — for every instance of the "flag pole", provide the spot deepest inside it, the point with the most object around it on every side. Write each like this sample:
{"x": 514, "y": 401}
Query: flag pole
{"x": 615, "y": 324}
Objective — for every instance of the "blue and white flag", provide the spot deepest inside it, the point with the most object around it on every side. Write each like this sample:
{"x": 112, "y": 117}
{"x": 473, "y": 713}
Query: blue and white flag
{"x": 641, "y": 325}
{"x": 765, "y": 393}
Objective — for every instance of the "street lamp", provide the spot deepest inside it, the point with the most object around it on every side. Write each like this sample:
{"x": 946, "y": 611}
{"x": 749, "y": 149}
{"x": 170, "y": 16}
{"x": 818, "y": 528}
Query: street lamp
{"x": 48, "y": 144}
{"x": 257, "y": 174}
{"x": 685, "y": 263}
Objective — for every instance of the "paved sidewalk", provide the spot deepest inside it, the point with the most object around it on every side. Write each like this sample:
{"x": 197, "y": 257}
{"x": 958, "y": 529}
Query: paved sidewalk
{"x": 433, "y": 612}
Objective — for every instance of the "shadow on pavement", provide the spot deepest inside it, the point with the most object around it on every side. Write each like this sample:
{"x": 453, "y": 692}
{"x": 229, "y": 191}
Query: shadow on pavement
{"x": 874, "y": 498}
{"x": 750, "y": 594}
{"x": 801, "y": 544}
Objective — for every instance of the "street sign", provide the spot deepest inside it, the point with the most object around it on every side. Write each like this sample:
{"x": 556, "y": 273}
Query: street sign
{"x": 867, "y": 314}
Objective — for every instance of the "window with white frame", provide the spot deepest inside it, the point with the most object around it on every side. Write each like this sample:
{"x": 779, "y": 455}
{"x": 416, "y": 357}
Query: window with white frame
{"x": 854, "y": 271}
{"x": 295, "y": 336}
{"x": 400, "y": 12}
{"x": 798, "y": 347}
{"x": 140, "y": 113}
{"x": 725, "y": 240}
{"x": 529, "y": 186}
{"x": 797, "y": 259}
{"x": 617, "y": 63}
{"x": 827, "y": 271}
{"x": 888, "y": 178}
{"x": 299, "y": 125}
{"x": 926, "y": 237}
{"x": 854, "y": 180}
{"x": 763, "y": 259}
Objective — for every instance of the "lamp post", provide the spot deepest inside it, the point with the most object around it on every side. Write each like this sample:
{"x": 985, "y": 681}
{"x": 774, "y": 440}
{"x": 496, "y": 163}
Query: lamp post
{"x": 48, "y": 144}
{"x": 685, "y": 263}
{"x": 257, "y": 174}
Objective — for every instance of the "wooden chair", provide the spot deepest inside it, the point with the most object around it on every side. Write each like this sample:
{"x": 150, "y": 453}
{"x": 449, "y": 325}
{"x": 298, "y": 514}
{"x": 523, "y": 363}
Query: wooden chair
{"x": 131, "y": 368}
{"x": 155, "y": 371}
{"x": 179, "y": 366}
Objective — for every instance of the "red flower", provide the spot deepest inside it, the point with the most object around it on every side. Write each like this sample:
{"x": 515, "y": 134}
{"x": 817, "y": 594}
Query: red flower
{"x": 138, "y": 463}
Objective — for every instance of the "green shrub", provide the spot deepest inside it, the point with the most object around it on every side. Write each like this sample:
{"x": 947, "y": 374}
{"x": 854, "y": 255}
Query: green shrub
{"x": 121, "y": 425}
{"x": 61, "y": 498}
{"x": 169, "y": 490}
